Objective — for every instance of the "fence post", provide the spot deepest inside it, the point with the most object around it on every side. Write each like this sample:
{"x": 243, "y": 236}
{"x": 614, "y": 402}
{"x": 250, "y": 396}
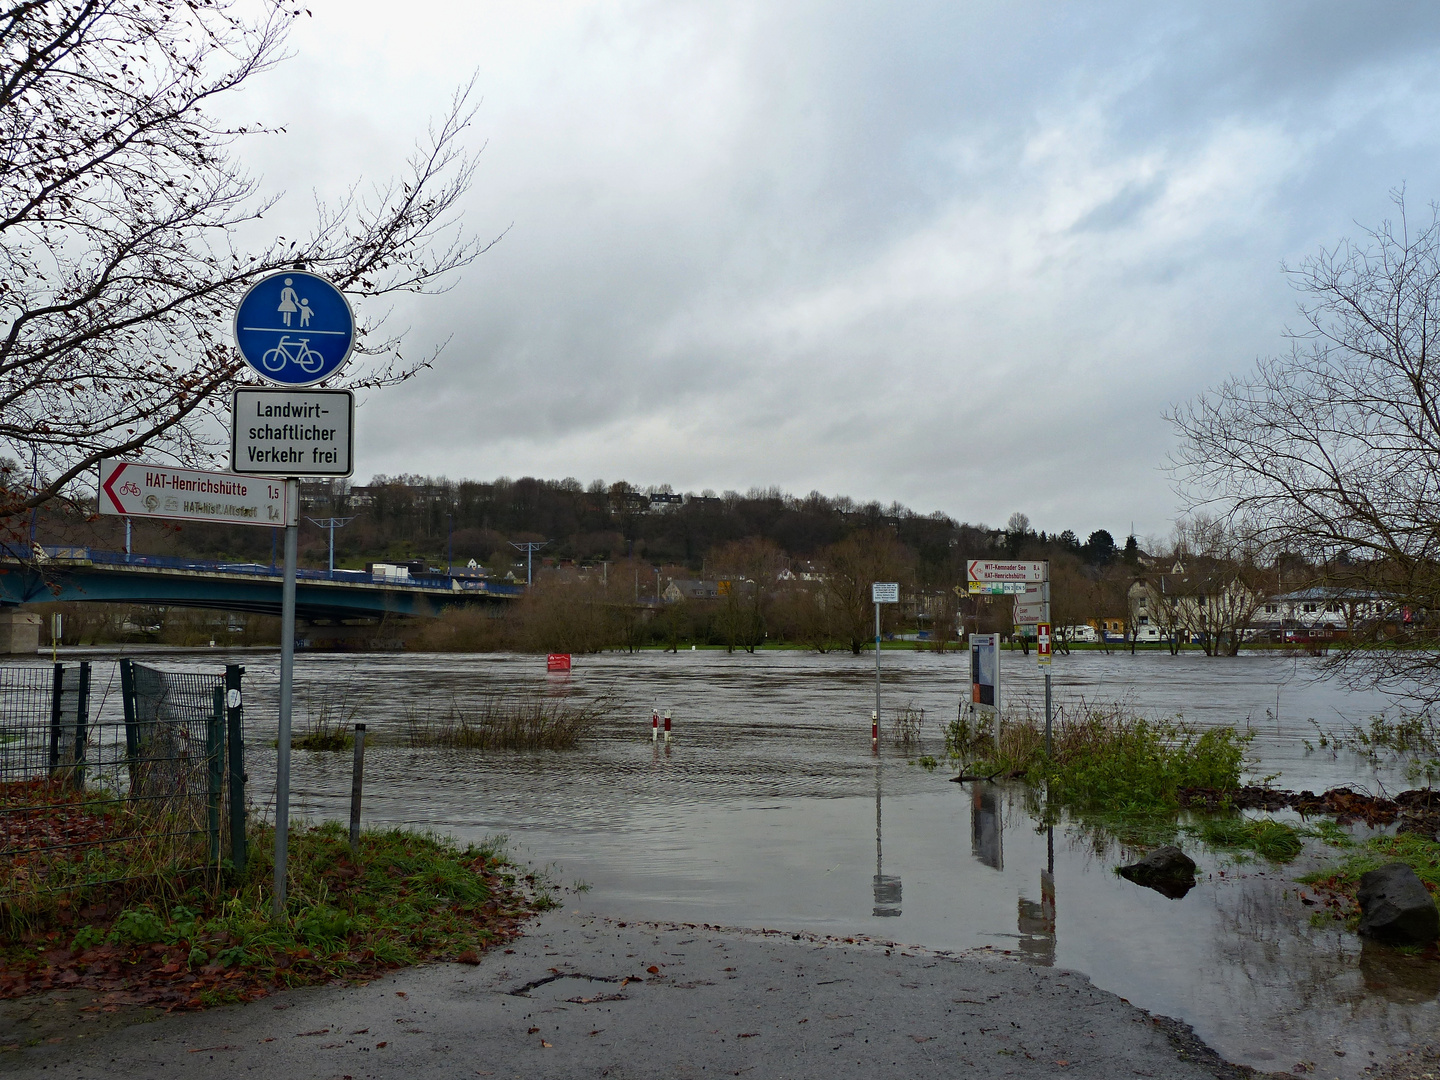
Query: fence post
{"x": 82, "y": 717}
{"x": 132, "y": 734}
{"x": 356, "y": 780}
{"x": 236, "y": 732}
{"x": 215, "y": 762}
{"x": 57, "y": 699}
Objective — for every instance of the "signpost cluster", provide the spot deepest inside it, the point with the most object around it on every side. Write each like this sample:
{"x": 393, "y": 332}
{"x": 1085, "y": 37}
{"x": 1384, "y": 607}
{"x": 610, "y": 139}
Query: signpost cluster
{"x": 295, "y": 330}
{"x": 1029, "y": 584}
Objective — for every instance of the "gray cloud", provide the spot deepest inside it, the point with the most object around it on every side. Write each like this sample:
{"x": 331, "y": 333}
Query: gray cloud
{"x": 961, "y": 256}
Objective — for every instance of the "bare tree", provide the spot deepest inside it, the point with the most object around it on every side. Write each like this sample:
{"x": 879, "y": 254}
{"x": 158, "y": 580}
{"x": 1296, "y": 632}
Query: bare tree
{"x": 1332, "y": 451}
{"x": 748, "y": 568}
{"x": 851, "y": 567}
{"x": 120, "y": 197}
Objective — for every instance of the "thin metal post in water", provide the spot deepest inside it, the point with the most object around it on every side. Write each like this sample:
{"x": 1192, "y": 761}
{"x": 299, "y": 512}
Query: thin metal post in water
{"x": 357, "y": 777}
{"x": 1048, "y": 713}
{"x": 875, "y": 727}
{"x": 287, "y": 676}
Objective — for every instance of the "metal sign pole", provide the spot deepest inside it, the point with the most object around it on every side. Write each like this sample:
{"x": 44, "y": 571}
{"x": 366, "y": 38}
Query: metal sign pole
{"x": 875, "y": 731}
{"x": 287, "y": 677}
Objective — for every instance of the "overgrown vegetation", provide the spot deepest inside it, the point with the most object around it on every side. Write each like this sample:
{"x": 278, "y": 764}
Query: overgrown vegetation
{"x": 906, "y": 726}
{"x": 503, "y": 722}
{"x": 1103, "y": 758}
{"x": 1410, "y": 737}
{"x": 60, "y": 838}
{"x": 404, "y": 897}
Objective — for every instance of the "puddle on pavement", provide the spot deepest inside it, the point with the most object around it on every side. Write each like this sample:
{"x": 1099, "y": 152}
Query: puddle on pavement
{"x": 768, "y": 809}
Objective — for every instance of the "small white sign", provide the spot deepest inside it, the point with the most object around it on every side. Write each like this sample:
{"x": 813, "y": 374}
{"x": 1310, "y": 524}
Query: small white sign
{"x": 885, "y": 592}
{"x": 998, "y": 588}
{"x": 134, "y": 489}
{"x": 293, "y": 432}
{"x": 988, "y": 570}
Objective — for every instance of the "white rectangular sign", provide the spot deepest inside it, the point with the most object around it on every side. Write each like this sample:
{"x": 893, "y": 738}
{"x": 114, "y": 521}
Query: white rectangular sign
{"x": 882, "y": 592}
{"x": 1033, "y": 605}
{"x": 293, "y": 432}
{"x": 164, "y": 491}
{"x": 988, "y": 570}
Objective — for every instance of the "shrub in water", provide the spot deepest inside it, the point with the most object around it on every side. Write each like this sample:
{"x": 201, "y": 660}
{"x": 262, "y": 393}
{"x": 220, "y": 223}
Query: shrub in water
{"x": 1104, "y": 759}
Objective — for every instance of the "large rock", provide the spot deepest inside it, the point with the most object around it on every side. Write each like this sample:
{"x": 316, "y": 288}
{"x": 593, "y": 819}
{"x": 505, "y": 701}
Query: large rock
{"x": 1395, "y": 907}
{"x": 1167, "y": 870}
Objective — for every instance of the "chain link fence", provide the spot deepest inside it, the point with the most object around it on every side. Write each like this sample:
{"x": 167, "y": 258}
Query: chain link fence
{"x": 86, "y": 803}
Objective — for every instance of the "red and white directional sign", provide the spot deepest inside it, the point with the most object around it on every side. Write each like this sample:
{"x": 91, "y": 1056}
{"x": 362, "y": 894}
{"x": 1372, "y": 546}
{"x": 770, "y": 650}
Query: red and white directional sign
{"x": 1042, "y": 644}
{"x": 985, "y": 570}
{"x": 135, "y": 489}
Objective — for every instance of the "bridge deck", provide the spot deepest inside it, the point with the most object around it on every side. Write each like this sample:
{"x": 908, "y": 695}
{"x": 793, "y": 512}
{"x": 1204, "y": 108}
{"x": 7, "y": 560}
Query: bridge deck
{"x": 88, "y": 574}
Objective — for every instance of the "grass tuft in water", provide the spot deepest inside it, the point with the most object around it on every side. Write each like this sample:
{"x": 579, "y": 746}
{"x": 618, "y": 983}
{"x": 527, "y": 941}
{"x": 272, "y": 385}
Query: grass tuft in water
{"x": 1273, "y": 840}
{"x": 511, "y": 723}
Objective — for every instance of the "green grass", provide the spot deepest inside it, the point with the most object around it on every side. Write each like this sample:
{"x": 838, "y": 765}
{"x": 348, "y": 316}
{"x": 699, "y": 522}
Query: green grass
{"x": 1273, "y": 840}
{"x": 403, "y": 898}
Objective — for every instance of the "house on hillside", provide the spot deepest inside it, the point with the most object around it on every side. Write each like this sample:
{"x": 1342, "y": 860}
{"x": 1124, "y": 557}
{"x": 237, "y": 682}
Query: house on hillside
{"x": 1319, "y": 610}
{"x": 1205, "y": 601}
{"x": 690, "y": 589}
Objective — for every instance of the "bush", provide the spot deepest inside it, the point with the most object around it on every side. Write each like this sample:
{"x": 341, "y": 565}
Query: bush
{"x": 1106, "y": 759}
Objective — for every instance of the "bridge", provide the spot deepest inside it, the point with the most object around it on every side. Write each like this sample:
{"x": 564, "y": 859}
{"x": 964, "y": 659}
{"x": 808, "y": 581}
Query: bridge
{"x": 115, "y": 577}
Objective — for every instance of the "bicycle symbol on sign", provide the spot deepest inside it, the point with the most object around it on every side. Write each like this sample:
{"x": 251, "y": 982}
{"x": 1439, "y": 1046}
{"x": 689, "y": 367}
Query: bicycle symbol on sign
{"x": 129, "y": 488}
{"x": 298, "y": 353}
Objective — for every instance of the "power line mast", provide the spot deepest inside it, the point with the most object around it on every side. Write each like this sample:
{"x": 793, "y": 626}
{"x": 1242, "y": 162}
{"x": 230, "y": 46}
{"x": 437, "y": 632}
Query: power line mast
{"x": 530, "y": 547}
{"x": 331, "y": 523}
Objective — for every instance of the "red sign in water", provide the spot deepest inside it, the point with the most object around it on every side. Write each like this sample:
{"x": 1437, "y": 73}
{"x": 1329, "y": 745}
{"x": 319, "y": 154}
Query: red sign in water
{"x": 557, "y": 661}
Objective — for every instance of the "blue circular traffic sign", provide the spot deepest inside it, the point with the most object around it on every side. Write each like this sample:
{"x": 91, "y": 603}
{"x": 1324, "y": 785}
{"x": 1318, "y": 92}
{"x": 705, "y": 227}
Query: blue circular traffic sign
{"x": 294, "y": 328}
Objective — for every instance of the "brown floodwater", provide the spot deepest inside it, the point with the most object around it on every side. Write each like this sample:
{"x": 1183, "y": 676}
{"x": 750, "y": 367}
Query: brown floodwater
{"x": 769, "y": 809}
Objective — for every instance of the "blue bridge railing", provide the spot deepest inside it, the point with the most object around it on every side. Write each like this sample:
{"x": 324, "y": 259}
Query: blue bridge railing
{"x": 356, "y": 577}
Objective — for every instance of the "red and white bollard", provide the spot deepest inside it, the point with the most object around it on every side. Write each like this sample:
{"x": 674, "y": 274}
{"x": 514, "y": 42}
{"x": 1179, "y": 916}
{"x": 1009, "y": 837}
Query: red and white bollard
{"x": 874, "y": 730}
{"x": 654, "y": 725}
{"x": 667, "y": 726}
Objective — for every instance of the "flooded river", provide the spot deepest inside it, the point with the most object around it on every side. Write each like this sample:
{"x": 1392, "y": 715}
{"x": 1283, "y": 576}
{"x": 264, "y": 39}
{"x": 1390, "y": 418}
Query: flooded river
{"x": 769, "y": 809}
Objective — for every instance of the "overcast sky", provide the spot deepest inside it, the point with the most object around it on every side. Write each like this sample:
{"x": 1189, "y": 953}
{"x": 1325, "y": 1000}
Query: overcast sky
{"x": 957, "y": 255}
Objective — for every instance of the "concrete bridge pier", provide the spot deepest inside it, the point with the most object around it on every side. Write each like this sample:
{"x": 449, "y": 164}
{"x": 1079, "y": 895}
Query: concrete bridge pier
{"x": 19, "y": 632}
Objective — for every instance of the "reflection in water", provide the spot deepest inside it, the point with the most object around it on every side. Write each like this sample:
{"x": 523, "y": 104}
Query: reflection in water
{"x": 1036, "y": 922}
{"x": 753, "y": 818}
{"x": 1410, "y": 980}
{"x": 985, "y": 824}
{"x": 887, "y": 887}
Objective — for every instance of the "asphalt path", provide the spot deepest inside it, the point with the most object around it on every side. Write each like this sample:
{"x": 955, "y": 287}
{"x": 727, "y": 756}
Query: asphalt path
{"x": 580, "y": 996}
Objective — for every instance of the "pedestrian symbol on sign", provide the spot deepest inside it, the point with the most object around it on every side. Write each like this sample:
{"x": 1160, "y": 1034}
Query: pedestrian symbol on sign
{"x": 287, "y": 301}
{"x": 266, "y": 325}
